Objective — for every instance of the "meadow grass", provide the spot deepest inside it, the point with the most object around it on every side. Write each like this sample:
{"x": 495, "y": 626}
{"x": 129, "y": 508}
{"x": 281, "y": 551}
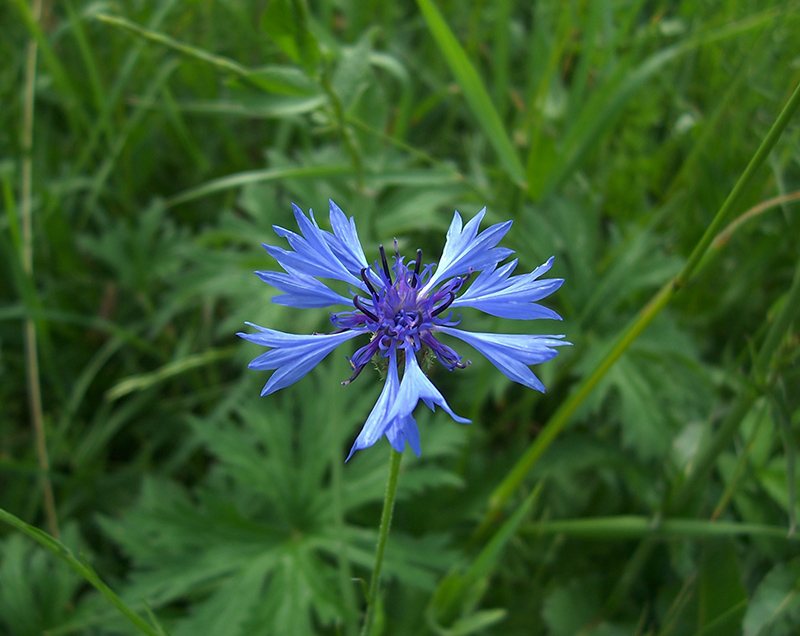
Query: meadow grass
{"x": 149, "y": 147}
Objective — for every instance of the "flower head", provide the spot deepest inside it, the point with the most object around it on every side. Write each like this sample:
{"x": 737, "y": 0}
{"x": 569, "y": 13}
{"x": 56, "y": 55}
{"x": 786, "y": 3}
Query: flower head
{"x": 403, "y": 309}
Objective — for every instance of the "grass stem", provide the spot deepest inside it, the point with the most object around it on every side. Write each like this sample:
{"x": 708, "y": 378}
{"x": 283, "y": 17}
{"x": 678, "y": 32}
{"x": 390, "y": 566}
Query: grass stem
{"x": 560, "y": 418}
{"x": 26, "y": 214}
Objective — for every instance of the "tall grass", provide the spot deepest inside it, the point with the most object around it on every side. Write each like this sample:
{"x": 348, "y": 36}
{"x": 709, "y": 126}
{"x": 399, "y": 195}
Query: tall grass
{"x": 652, "y": 490}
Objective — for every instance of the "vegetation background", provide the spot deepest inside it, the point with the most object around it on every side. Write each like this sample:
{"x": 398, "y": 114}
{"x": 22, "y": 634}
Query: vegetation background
{"x": 151, "y": 152}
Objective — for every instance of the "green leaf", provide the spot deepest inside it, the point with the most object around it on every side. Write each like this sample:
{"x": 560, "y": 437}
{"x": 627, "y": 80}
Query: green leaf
{"x": 144, "y": 381}
{"x": 352, "y": 77}
{"x": 571, "y": 607}
{"x": 255, "y": 176}
{"x": 286, "y": 21}
{"x": 461, "y": 590}
{"x": 775, "y": 607}
{"x": 37, "y": 591}
{"x": 84, "y": 570}
{"x": 775, "y": 479}
{"x": 476, "y": 622}
{"x": 722, "y": 599}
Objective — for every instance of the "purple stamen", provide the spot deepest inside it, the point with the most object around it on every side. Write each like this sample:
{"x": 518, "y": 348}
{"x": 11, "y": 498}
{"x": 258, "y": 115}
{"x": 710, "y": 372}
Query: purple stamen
{"x": 364, "y": 310}
{"x": 417, "y": 265}
{"x": 366, "y": 281}
{"x": 356, "y": 373}
{"x": 385, "y": 263}
{"x": 450, "y": 298}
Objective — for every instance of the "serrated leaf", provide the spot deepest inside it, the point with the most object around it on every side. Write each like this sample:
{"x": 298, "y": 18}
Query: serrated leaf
{"x": 36, "y": 589}
{"x": 233, "y": 603}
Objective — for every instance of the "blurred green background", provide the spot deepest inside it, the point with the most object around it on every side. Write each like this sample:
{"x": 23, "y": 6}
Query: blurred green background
{"x": 167, "y": 137}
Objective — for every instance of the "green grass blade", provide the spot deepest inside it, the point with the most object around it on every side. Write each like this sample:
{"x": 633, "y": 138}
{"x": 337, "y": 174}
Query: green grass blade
{"x": 136, "y": 118}
{"x": 626, "y": 527}
{"x": 89, "y": 58}
{"x": 122, "y": 76}
{"x": 635, "y": 327}
{"x": 606, "y": 106}
{"x": 474, "y": 91}
{"x": 219, "y": 61}
{"x": 284, "y": 80}
{"x": 79, "y": 118}
{"x": 143, "y": 381}
{"x": 255, "y": 176}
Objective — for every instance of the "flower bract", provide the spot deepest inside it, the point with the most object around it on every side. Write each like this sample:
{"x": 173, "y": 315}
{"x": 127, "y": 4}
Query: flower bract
{"x": 402, "y": 309}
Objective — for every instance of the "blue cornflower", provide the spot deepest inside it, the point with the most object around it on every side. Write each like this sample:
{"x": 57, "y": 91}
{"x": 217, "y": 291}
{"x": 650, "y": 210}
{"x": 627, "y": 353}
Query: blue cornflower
{"x": 402, "y": 308}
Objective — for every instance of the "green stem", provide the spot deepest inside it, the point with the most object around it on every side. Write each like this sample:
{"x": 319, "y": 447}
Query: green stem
{"x": 708, "y": 456}
{"x": 560, "y": 418}
{"x": 744, "y": 181}
{"x": 780, "y": 326}
{"x": 342, "y": 557}
{"x": 343, "y": 129}
{"x": 383, "y": 535}
{"x": 26, "y": 217}
{"x": 744, "y": 402}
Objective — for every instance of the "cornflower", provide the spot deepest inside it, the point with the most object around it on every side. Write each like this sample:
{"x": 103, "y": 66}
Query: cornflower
{"x": 403, "y": 309}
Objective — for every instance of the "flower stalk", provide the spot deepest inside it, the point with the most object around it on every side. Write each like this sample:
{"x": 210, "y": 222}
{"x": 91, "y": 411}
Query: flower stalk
{"x": 383, "y": 535}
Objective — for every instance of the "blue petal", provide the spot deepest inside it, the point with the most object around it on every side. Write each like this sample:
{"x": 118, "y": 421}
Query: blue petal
{"x": 411, "y": 433}
{"x": 290, "y": 354}
{"x": 465, "y": 249}
{"x": 511, "y": 353}
{"x": 344, "y": 241}
{"x": 404, "y": 430}
{"x": 415, "y": 387}
{"x": 311, "y": 252}
{"x": 379, "y": 420}
{"x": 301, "y": 290}
{"x": 498, "y": 293}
